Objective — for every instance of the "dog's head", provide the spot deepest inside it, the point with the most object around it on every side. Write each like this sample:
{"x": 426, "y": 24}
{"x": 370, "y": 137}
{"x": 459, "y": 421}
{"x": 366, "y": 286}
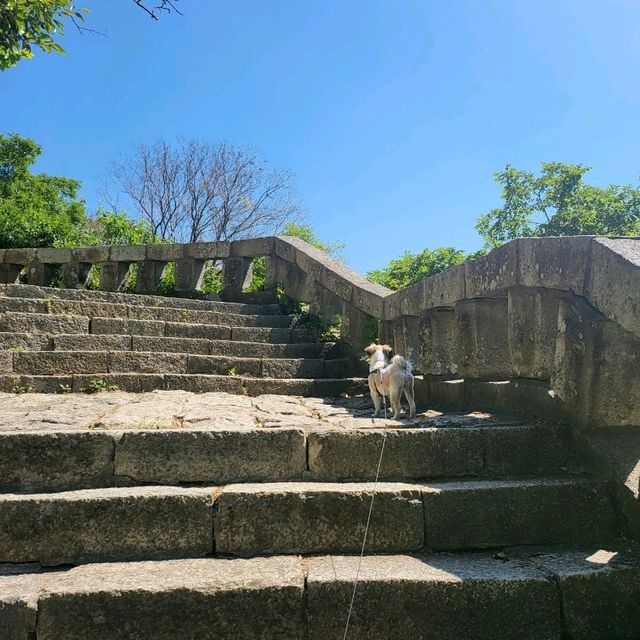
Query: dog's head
{"x": 378, "y": 352}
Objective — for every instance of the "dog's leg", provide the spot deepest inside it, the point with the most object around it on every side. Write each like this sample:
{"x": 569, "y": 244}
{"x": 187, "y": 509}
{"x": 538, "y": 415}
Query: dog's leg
{"x": 410, "y": 396}
{"x": 375, "y": 396}
{"x": 396, "y": 404}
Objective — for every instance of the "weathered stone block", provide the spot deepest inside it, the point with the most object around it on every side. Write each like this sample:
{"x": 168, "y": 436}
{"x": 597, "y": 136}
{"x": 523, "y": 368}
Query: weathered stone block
{"x": 174, "y": 345}
{"x": 149, "y": 275}
{"x": 112, "y": 275}
{"x": 141, "y": 362}
{"x": 207, "y": 250}
{"x": 128, "y": 253}
{"x": 316, "y": 518}
{"x": 101, "y": 524}
{"x": 357, "y": 329}
{"x": 614, "y": 284}
{"x": 217, "y": 457}
{"x": 188, "y": 274}
{"x": 276, "y": 386}
{"x": 46, "y": 363}
{"x": 124, "y": 326}
{"x": 412, "y": 299}
{"x": 15, "y": 383}
{"x": 285, "y": 248}
{"x": 236, "y": 275}
{"x": 19, "y": 605}
{"x": 10, "y": 273}
{"x": 165, "y": 252}
{"x": 554, "y": 263}
{"x": 598, "y": 589}
{"x": 75, "y": 274}
{"x": 597, "y": 370}
{"x": 134, "y": 382}
{"x": 257, "y": 334}
{"x": 19, "y": 256}
{"x": 40, "y": 323}
{"x": 91, "y": 343}
{"x": 226, "y": 599}
{"x": 483, "y": 346}
{"x": 484, "y": 514}
{"x": 293, "y": 368}
{"x": 253, "y": 247}
{"x": 338, "y": 279}
{"x": 42, "y": 461}
{"x": 409, "y": 453}
{"x": 204, "y": 383}
{"x": 91, "y": 255}
{"x": 532, "y": 327}
{"x": 53, "y": 256}
{"x": 223, "y": 365}
{"x": 188, "y": 330}
{"x": 406, "y": 339}
{"x": 438, "y": 342}
{"x": 369, "y": 297}
{"x": 445, "y": 288}
{"x": 413, "y": 598}
{"x": 493, "y": 273}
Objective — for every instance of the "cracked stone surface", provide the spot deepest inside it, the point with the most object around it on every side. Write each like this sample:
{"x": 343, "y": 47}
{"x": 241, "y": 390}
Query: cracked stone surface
{"x": 183, "y": 409}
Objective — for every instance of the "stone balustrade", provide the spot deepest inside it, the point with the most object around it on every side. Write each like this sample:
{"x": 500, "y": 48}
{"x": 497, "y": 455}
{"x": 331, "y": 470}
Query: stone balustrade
{"x": 546, "y": 323}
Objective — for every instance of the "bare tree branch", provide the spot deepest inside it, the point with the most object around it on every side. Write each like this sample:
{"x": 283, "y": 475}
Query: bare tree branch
{"x": 199, "y": 191}
{"x": 164, "y": 6}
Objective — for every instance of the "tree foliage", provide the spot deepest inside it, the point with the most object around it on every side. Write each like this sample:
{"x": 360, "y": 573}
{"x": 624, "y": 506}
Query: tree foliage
{"x": 410, "y": 268}
{"x": 25, "y": 24}
{"x": 36, "y": 210}
{"x": 558, "y": 202}
{"x": 307, "y": 233}
{"x": 195, "y": 191}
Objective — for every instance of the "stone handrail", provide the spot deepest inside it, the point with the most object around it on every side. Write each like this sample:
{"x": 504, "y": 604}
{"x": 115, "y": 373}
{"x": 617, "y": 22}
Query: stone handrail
{"x": 549, "y": 320}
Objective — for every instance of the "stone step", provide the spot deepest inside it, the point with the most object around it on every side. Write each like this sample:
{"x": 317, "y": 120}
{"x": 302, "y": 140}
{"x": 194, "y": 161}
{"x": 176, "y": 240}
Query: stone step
{"x": 44, "y": 363}
{"x": 52, "y": 293}
{"x": 235, "y": 348}
{"x": 138, "y": 312}
{"x": 293, "y": 518}
{"x": 76, "y": 459}
{"x": 582, "y": 594}
{"x": 281, "y": 518}
{"x": 14, "y": 322}
{"x": 197, "y": 383}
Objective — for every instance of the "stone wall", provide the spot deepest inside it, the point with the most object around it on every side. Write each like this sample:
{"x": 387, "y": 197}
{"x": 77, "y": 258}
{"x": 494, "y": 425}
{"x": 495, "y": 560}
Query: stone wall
{"x": 549, "y": 324}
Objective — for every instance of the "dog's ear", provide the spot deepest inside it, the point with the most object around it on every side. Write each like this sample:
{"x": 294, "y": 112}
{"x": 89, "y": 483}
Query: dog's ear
{"x": 371, "y": 348}
{"x": 387, "y": 349}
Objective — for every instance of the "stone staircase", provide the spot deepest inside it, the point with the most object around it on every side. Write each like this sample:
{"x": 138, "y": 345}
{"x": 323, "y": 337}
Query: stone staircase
{"x": 171, "y": 515}
{"x": 54, "y": 340}
{"x": 239, "y": 512}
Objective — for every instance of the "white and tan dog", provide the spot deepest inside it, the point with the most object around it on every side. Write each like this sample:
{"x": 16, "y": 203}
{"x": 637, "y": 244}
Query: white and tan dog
{"x": 390, "y": 379}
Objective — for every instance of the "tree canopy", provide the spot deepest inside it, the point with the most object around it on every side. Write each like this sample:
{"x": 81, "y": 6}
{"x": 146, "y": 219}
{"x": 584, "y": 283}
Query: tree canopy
{"x": 36, "y": 210}
{"x": 25, "y": 24}
{"x": 558, "y": 202}
{"x": 410, "y": 268}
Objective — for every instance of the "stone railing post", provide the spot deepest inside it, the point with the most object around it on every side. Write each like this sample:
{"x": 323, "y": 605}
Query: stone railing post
{"x": 236, "y": 275}
{"x": 112, "y": 275}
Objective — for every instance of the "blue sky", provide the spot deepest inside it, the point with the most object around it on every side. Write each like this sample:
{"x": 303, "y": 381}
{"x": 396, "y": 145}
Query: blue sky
{"x": 393, "y": 114}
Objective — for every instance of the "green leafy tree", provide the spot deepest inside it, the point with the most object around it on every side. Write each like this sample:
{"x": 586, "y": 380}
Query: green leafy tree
{"x": 25, "y": 24}
{"x": 308, "y": 234}
{"x": 36, "y": 210}
{"x": 115, "y": 227}
{"x": 410, "y": 268}
{"x": 558, "y": 202}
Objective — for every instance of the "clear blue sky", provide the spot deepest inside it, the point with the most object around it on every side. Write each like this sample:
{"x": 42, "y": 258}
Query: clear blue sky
{"x": 392, "y": 113}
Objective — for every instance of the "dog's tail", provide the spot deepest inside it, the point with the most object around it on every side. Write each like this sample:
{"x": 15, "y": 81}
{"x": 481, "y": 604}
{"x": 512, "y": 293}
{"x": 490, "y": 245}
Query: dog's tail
{"x": 402, "y": 363}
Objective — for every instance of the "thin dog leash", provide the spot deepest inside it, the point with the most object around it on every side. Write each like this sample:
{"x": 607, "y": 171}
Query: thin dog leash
{"x": 366, "y": 529}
